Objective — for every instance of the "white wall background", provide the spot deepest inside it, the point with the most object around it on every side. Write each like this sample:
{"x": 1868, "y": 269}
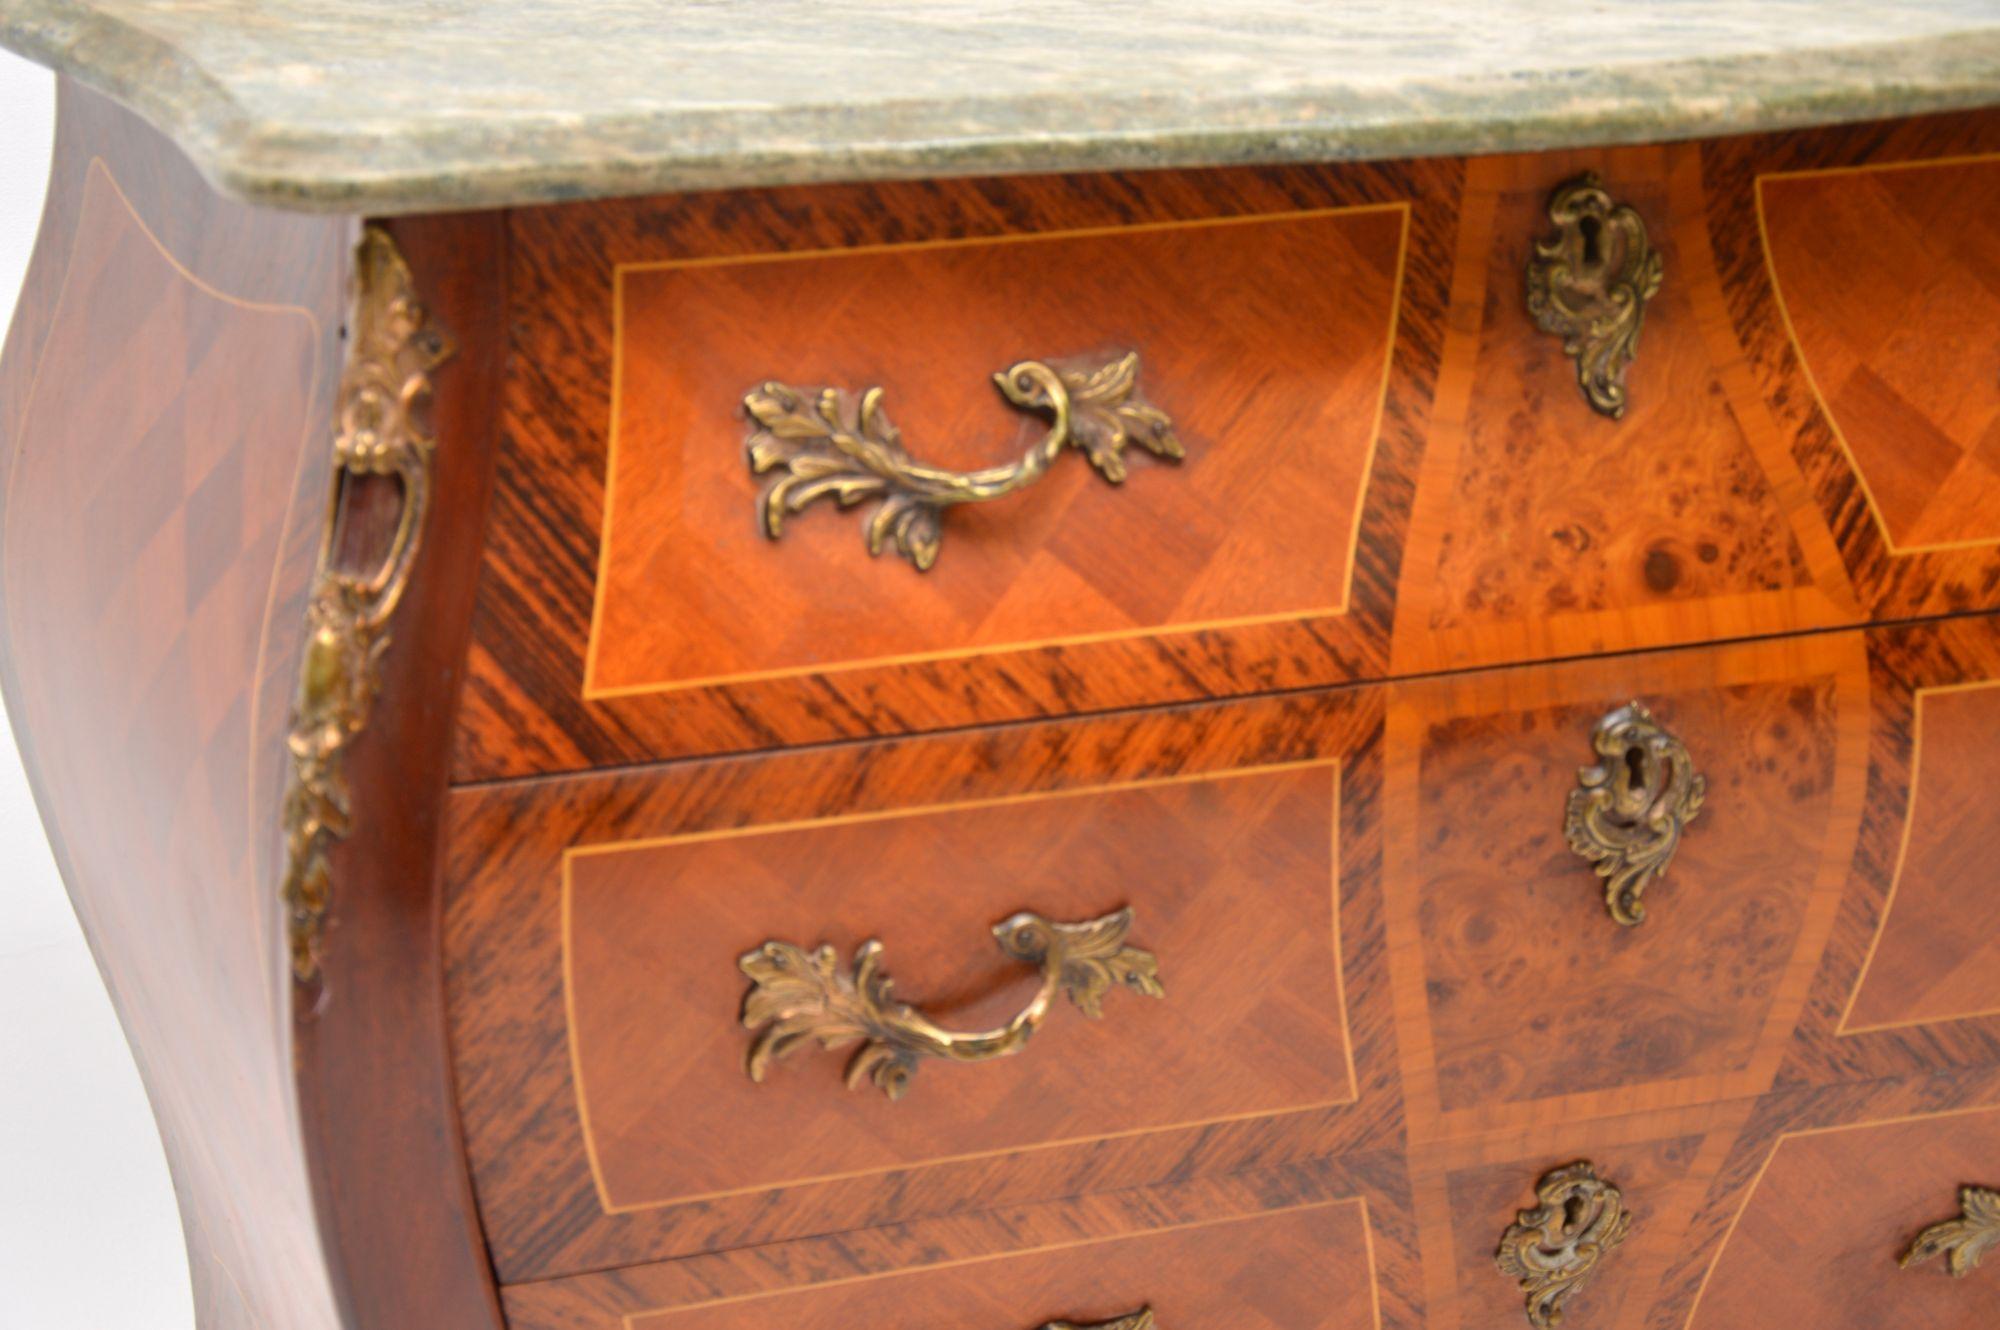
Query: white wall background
{"x": 89, "y": 1237}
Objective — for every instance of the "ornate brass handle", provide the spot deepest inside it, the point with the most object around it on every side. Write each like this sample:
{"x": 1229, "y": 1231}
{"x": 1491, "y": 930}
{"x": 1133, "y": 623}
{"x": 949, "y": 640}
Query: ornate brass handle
{"x": 831, "y": 448}
{"x": 1138, "y": 1320}
{"x": 1627, "y": 812}
{"x": 1553, "y": 1249}
{"x": 797, "y": 997}
{"x": 1588, "y": 283}
{"x": 1965, "y": 1241}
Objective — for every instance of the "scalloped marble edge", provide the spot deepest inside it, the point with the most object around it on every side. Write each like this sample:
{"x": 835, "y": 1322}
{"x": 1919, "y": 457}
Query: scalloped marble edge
{"x": 462, "y": 165}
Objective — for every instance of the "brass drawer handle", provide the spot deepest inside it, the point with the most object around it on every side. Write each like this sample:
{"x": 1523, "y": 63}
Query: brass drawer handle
{"x": 1588, "y": 283}
{"x": 1138, "y": 1320}
{"x": 1554, "y": 1249}
{"x": 798, "y": 997}
{"x": 1628, "y": 811}
{"x": 1965, "y": 1241}
{"x": 829, "y": 447}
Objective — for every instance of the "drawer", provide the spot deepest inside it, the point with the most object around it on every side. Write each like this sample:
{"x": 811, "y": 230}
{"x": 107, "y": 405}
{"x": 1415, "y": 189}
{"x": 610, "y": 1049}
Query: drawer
{"x": 1384, "y": 466}
{"x": 1370, "y": 916}
{"x": 1308, "y": 1262}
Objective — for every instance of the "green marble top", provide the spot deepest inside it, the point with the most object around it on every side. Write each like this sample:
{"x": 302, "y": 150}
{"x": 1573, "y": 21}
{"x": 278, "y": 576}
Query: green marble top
{"x": 412, "y": 105}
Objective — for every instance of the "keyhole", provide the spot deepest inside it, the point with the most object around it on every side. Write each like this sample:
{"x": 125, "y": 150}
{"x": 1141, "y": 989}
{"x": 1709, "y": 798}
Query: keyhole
{"x": 1635, "y": 766}
{"x": 1589, "y": 228}
{"x": 1572, "y": 1213}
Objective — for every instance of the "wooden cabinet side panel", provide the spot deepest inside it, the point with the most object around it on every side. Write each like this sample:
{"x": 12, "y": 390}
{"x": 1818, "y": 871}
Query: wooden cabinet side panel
{"x": 172, "y": 371}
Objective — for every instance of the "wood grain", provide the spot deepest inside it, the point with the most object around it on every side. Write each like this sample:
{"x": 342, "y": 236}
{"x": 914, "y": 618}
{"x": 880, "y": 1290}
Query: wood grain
{"x": 1887, "y": 582}
{"x": 1542, "y": 528}
{"x": 689, "y": 588}
{"x": 1256, "y": 975}
{"x": 168, "y": 399}
{"x": 1232, "y": 880}
{"x": 1241, "y": 389}
{"x": 1887, "y": 280}
{"x": 1830, "y": 1210}
{"x": 1355, "y": 1208}
{"x": 1501, "y": 521}
{"x": 169, "y": 368}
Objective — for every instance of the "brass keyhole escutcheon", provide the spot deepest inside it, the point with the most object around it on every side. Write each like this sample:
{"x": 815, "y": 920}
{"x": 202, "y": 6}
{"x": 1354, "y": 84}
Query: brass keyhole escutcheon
{"x": 1629, "y": 809}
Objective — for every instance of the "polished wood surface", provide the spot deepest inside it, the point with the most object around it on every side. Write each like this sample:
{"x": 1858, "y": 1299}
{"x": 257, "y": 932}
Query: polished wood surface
{"x": 1502, "y": 1023}
{"x": 690, "y": 590}
{"x": 1936, "y": 955}
{"x": 167, "y": 398}
{"x": 1228, "y": 344}
{"x": 1807, "y": 1245}
{"x": 1889, "y": 283}
{"x": 1890, "y": 579}
{"x": 1232, "y": 881}
{"x": 1519, "y": 1009}
{"x": 1394, "y": 997}
{"x": 1543, "y": 528}
{"x": 166, "y": 376}
{"x": 931, "y": 841}
{"x": 1501, "y": 519}
{"x": 1330, "y": 1236}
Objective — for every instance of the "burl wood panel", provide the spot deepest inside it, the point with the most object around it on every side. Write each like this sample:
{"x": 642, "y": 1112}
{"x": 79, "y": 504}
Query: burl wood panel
{"x": 1889, "y": 281}
{"x": 170, "y": 367}
{"x": 1528, "y": 998}
{"x": 166, "y": 406}
{"x": 1544, "y": 528}
{"x": 1263, "y": 337}
{"x": 1815, "y": 1240}
{"x": 1936, "y": 956}
{"x": 1257, "y": 523}
{"x": 1222, "y": 830}
{"x": 1306, "y": 1265}
{"x": 1219, "y": 870}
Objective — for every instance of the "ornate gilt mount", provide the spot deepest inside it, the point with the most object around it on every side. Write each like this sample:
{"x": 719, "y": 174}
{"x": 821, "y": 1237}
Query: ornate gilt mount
{"x": 1588, "y": 283}
{"x": 1553, "y": 1249}
{"x": 798, "y": 997}
{"x": 1138, "y": 1320}
{"x": 379, "y": 440}
{"x": 830, "y": 447}
{"x": 1965, "y": 1241}
{"x": 1629, "y": 810}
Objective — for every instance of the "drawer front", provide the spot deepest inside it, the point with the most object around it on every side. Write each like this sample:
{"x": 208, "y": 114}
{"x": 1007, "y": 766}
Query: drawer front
{"x": 1380, "y": 918}
{"x": 1380, "y": 464}
{"x": 1305, "y": 1265}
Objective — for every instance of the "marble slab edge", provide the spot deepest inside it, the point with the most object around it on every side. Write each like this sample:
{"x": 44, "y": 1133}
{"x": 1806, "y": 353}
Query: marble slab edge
{"x": 464, "y": 164}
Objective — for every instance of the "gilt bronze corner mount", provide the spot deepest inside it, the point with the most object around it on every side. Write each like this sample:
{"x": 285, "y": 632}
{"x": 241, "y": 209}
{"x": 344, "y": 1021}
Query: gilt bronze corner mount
{"x": 829, "y": 446}
{"x": 1589, "y": 282}
{"x": 798, "y": 997}
{"x": 380, "y": 436}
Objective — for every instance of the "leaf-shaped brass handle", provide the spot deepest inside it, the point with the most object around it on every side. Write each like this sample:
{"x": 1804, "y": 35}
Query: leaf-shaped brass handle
{"x": 798, "y": 997}
{"x": 1965, "y": 1241}
{"x": 1627, "y": 812}
{"x": 1588, "y": 283}
{"x": 830, "y": 447}
{"x": 1138, "y": 1320}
